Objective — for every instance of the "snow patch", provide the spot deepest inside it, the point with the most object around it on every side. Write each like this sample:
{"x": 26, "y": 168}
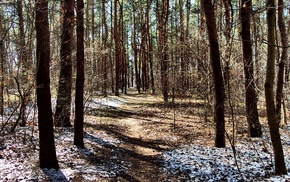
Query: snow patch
{"x": 201, "y": 163}
{"x": 107, "y": 102}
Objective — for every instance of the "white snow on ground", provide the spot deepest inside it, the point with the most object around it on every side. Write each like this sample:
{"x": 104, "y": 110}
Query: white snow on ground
{"x": 106, "y": 102}
{"x": 19, "y": 162}
{"x": 199, "y": 163}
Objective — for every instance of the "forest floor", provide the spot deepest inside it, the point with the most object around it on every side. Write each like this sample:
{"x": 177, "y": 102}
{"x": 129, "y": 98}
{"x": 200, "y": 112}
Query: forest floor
{"x": 136, "y": 137}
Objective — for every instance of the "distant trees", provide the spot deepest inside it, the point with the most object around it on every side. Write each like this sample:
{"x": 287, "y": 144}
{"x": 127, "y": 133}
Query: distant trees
{"x": 47, "y": 154}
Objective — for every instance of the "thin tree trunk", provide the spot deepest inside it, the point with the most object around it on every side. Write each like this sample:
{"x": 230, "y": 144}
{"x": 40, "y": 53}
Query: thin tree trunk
{"x": 151, "y": 65}
{"x": 123, "y": 60}
{"x": 287, "y": 64}
{"x": 217, "y": 73}
{"x": 251, "y": 95}
{"x": 87, "y": 30}
{"x": 117, "y": 54}
{"x": 104, "y": 54}
{"x": 91, "y": 78}
{"x": 79, "y": 95}
{"x": 149, "y": 47}
{"x": 47, "y": 154}
{"x": 63, "y": 104}
{"x": 135, "y": 49}
{"x": 111, "y": 52}
{"x": 143, "y": 52}
{"x": 280, "y": 167}
{"x": 182, "y": 52}
{"x": 256, "y": 49}
{"x": 2, "y": 64}
{"x": 24, "y": 66}
{"x": 227, "y": 33}
{"x": 283, "y": 60}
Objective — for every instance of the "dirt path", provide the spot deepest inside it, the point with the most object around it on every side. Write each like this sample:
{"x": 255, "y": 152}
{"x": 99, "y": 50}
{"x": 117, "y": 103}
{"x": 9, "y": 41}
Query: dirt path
{"x": 143, "y": 125}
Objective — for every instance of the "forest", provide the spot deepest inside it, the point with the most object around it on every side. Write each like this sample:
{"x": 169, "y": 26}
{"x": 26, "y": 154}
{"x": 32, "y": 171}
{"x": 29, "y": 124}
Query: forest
{"x": 149, "y": 90}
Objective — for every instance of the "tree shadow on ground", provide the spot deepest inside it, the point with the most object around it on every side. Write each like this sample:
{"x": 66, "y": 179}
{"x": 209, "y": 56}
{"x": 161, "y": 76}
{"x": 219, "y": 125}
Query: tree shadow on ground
{"x": 119, "y": 113}
{"x": 109, "y": 112}
{"x": 121, "y": 163}
{"x": 117, "y": 132}
{"x": 54, "y": 175}
{"x": 121, "y": 150}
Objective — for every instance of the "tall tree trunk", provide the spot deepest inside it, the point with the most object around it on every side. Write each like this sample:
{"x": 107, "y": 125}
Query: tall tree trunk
{"x": 251, "y": 95}
{"x": 287, "y": 64}
{"x": 63, "y": 104}
{"x": 91, "y": 78}
{"x": 283, "y": 60}
{"x": 111, "y": 52}
{"x": 182, "y": 52}
{"x": 186, "y": 38}
{"x": 256, "y": 49}
{"x": 143, "y": 52}
{"x": 151, "y": 65}
{"x": 24, "y": 67}
{"x": 47, "y": 154}
{"x": 227, "y": 33}
{"x": 280, "y": 167}
{"x": 217, "y": 73}
{"x": 104, "y": 54}
{"x": 162, "y": 20}
{"x": 87, "y": 30}
{"x": 123, "y": 60}
{"x": 124, "y": 68}
{"x": 135, "y": 49}
{"x": 2, "y": 65}
{"x": 117, "y": 50}
{"x": 79, "y": 95}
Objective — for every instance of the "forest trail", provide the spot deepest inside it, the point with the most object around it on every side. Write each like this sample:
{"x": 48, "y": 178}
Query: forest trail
{"x": 144, "y": 127}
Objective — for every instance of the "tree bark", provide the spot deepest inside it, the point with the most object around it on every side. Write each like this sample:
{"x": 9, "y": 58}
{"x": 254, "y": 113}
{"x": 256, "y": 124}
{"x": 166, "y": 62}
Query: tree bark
{"x": 151, "y": 65}
{"x": 117, "y": 50}
{"x": 2, "y": 65}
{"x": 63, "y": 104}
{"x": 104, "y": 54}
{"x": 111, "y": 52}
{"x": 162, "y": 20}
{"x": 280, "y": 167}
{"x": 135, "y": 50}
{"x": 283, "y": 60}
{"x": 143, "y": 50}
{"x": 250, "y": 87}
{"x": 217, "y": 73}
{"x": 182, "y": 52}
{"x": 47, "y": 154}
{"x": 79, "y": 95}
{"x": 24, "y": 66}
